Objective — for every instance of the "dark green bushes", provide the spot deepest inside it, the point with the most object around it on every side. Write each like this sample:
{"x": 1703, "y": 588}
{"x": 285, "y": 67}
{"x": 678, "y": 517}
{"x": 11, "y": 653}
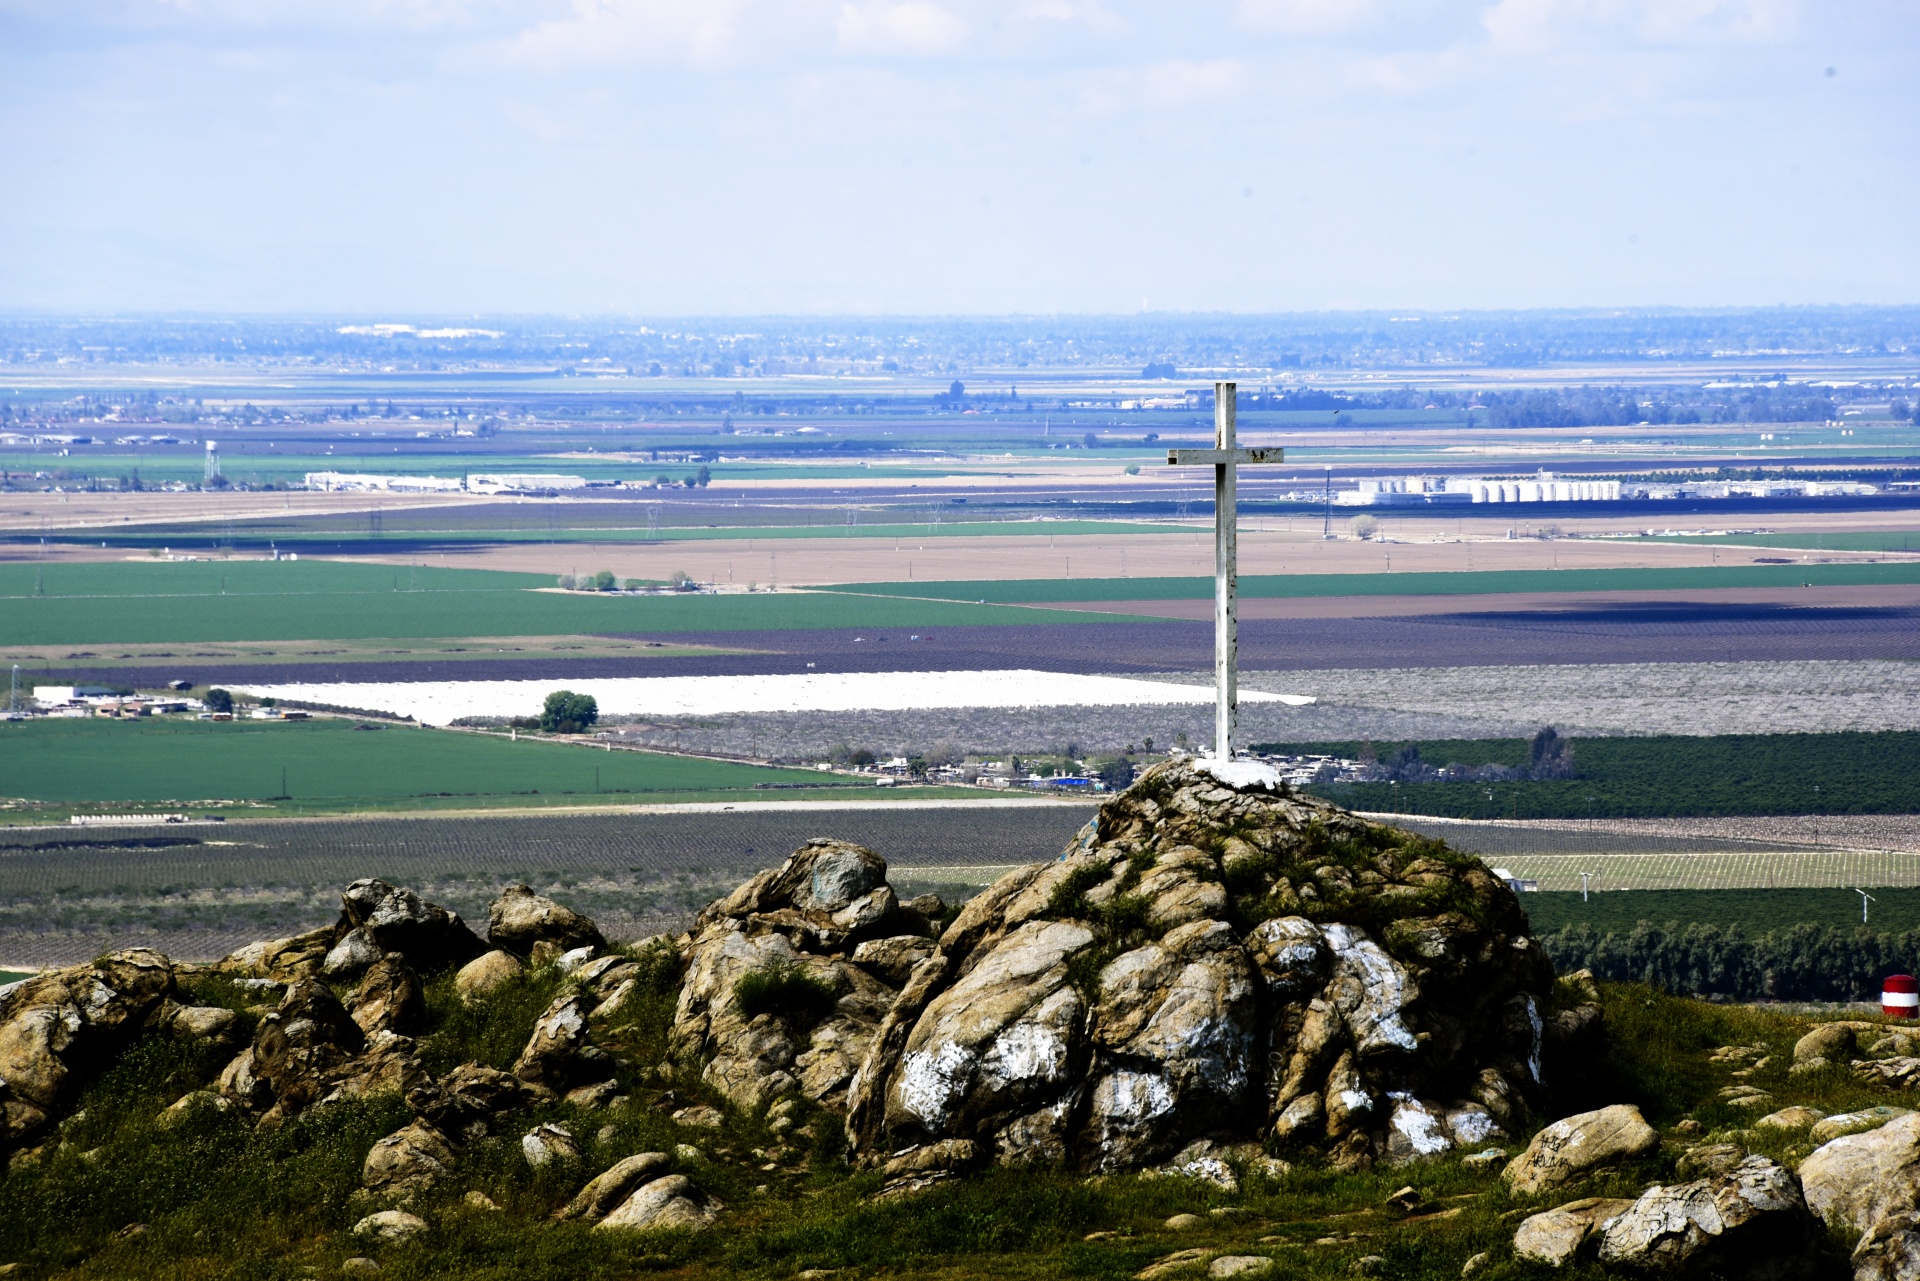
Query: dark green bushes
{"x": 785, "y": 991}
{"x": 1801, "y": 963}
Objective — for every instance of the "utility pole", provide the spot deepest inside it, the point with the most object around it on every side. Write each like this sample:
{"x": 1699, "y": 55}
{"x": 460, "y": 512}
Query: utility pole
{"x": 1225, "y": 458}
{"x": 1865, "y": 898}
{"x": 1584, "y": 878}
{"x": 1326, "y": 516}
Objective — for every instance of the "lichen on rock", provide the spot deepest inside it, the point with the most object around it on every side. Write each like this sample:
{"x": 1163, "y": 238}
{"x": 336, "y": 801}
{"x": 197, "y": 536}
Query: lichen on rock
{"x": 1209, "y": 959}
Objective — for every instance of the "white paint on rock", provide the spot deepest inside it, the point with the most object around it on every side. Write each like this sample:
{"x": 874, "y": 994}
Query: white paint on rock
{"x": 442, "y": 702}
{"x": 1376, "y": 1020}
{"x": 1416, "y": 1122}
{"x": 932, "y": 1082}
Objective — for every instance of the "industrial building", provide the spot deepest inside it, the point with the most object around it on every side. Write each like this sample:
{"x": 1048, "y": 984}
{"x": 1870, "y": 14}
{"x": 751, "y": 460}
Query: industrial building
{"x": 1446, "y": 491}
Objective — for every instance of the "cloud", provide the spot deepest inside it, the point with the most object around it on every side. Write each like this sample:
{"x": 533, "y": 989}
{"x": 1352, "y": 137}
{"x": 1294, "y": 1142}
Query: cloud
{"x": 904, "y": 27}
{"x": 1182, "y": 83}
{"x": 699, "y": 33}
{"x": 1536, "y": 26}
{"x": 1314, "y": 17}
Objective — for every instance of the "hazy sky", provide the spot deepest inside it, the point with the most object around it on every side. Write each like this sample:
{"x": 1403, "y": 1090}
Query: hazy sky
{"x": 401, "y": 157}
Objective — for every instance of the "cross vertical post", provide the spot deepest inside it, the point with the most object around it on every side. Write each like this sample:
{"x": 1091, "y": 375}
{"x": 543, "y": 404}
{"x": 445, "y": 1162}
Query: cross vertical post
{"x": 1226, "y": 574}
{"x": 1225, "y": 458}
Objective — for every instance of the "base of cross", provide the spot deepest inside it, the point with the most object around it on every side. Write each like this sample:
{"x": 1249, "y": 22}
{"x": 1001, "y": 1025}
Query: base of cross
{"x": 1239, "y": 771}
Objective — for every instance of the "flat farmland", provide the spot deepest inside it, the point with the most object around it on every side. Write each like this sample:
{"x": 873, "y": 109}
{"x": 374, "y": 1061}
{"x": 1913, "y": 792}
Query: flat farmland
{"x": 199, "y": 891}
{"x": 919, "y": 561}
{"x": 211, "y": 602}
{"x": 328, "y": 764}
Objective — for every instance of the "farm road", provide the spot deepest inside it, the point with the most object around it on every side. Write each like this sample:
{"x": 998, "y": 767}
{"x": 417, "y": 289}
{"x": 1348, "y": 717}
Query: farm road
{"x": 197, "y": 893}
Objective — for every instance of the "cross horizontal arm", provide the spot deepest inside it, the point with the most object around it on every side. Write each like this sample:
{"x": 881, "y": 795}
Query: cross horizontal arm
{"x": 1214, "y": 457}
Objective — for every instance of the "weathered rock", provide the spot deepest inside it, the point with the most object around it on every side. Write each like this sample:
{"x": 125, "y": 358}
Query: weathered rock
{"x": 391, "y": 1226}
{"x": 1749, "y": 1222}
{"x": 472, "y": 1095}
{"x": 1790, "y": 1118}
{"x": 1239, "y": 1265}
{"x": 1574, "y": 1145}
{"x": 801, "y": 919}
{"x": 1894, "y": 1074}
{"x": 1889, "y": 1250}
{"x": 605, "y": 1191}
{"x": 394, "y": 919}
{"x": 559, "y": 1054}
{"x": 1833, "y": 1042}
{"x": 390, "y": 998}
{"x": 1554, "y": 1237}
{"x": 670, "y": 1201}
{"x": 1862, "y": 1178}
{"x": 519, "y": 919}
{"x": 486, "y": 974}
{"x": 69, "y": 1022}
{"x": 544, "y": 1145}
{"x": 891, "y": 960}
{"x": 408, "y": 1161}
{"x": 214, "y": 1024}
{"x": 1374, "y": 1040}
{"x": 281, "y": 960}
{"x": 1854, "y": 1122}
{"x": 1709, "y": 1159}
{"x": 300, "y": 1046}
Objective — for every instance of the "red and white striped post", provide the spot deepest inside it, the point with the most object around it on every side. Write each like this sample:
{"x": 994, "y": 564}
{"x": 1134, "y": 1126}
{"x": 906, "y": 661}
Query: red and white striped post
{"x": 1900, "y": 996}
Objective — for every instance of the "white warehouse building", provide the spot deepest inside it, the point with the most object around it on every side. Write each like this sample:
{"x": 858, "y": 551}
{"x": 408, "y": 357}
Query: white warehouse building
{"x": 1434, "y": 491}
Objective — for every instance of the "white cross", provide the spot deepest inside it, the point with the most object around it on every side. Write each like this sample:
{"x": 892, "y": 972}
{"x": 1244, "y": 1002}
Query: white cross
{"x": 1225, "y": 459}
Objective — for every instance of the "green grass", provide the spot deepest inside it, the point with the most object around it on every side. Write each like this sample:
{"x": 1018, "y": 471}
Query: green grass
{"x": 329, "y": 763}
{"x": 13, "y": 976}
{"x": 1665, "y": 776}
{"x": 213, "y": 601}
{"x": 1754, "y": 911}
{"x": 296, "y": 536}
{"x": 1895, "y": 540}
{"x": 1041, "y": 591}
{"x": 220, "y": 1199}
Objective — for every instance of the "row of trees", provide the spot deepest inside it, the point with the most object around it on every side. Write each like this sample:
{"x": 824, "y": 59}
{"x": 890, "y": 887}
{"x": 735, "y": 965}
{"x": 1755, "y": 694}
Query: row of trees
{"x": 1800, "y": 963}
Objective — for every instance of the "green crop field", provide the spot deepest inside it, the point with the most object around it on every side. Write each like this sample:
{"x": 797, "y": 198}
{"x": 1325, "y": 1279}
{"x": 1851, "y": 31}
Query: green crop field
{"x": 325, "y": 765}
{"x": 215, "y": 601}
{"x": 1891, "y": 540}
{"x": 1754, "y": 910}
{"x": 1041, "y": 591}
{"x": 297, "y": 535}
{"x": 1665, "y": 776}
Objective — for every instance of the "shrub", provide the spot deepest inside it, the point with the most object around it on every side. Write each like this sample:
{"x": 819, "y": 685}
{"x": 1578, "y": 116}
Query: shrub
{"x": 786, "y": 991}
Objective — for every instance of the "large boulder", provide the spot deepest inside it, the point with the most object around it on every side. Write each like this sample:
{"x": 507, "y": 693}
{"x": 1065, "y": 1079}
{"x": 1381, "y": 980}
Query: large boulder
{"x": 519, "y": 920}
{"x": 376, "y": 919}
{"x": 1860, "y": 1179}
{"x": 1213, "y": 957}
{"x": 390, "y": 998}
{"x": 1555, "y": 1237}
{"x": 560, "y": 1054}
{"x": 483, "y": 976}
{"x": 409, "y": 1161}
{"x": 56, "y": 1028}
{"x": 1750, "y": 1222}
{"x": 1575, "y": 1145}
{"x": 667, "y": 1201}
{"x": 797, "y": 931}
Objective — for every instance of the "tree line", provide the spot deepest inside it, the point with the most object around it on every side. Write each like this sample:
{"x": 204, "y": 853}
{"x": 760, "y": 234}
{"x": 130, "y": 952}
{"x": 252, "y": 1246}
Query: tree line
{"x": 1798, "y": 963}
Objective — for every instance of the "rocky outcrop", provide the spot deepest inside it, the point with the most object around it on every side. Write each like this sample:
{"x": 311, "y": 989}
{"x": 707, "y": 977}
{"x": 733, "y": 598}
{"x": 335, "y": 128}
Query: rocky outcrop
{"x": 485, "y": 975}
{"x": 520, "y": 920}
{"x": 796, "y": 931}
{"x": 376, "y": 919}
{"x": 1749, "y": 1222}
{"x": 1210, "y": 958}
{"x": 57, "y": 1028}
{"x": 1555, "y": 1237}
{"x": 1575, "y": 1145}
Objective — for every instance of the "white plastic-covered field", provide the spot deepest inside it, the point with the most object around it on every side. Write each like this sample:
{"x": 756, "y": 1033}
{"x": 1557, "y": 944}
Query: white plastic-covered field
{"x": 442, "y": 702}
